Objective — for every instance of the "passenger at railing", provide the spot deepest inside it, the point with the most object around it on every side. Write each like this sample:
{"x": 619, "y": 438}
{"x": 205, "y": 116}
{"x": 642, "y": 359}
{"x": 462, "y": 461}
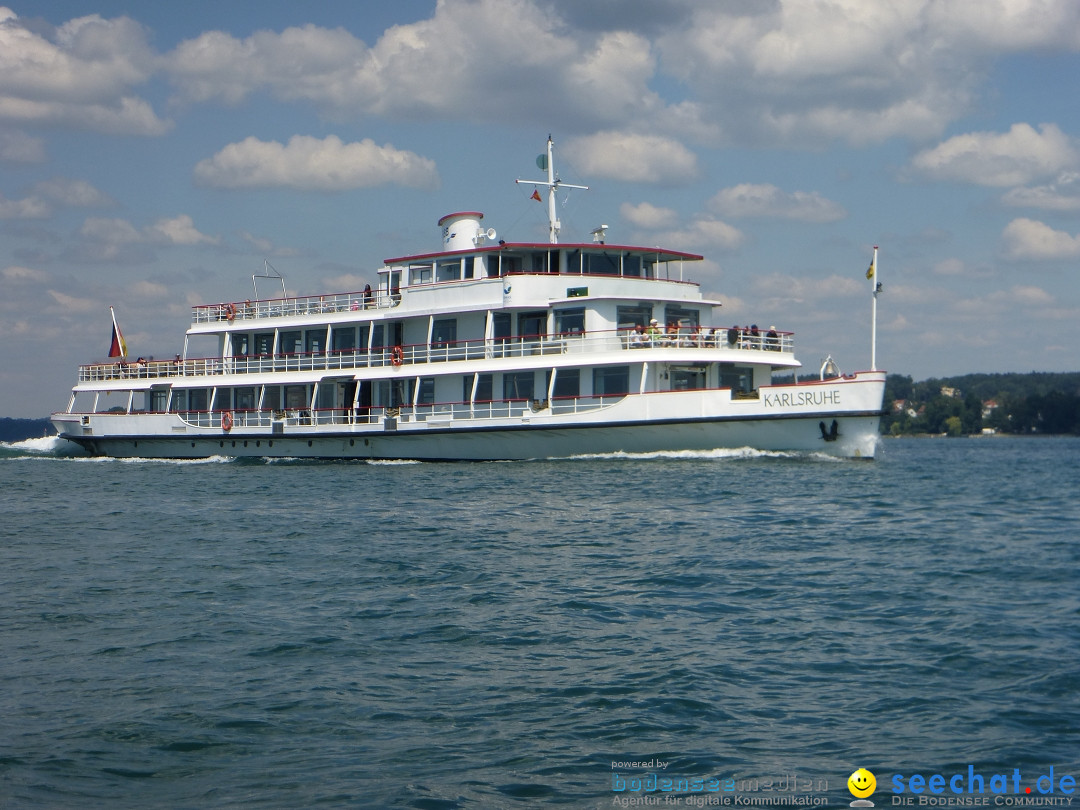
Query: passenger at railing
{"x": 772, "y": 340}
{"x": 671, "y": 334}
{"x": 733, "y": 337}
{"x": 367, "y": 295}
{"x": 744, "y": 338}
{"x": 755, "y": 336}
{"x": 637, "y": 337}
{"x": 653, "y": 334}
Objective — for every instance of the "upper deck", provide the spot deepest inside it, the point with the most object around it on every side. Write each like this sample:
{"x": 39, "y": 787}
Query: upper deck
{"x": 422, "y": 280}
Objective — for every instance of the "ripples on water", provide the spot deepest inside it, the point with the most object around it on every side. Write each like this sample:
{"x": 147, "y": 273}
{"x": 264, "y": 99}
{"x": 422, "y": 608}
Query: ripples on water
{"x": 298, "y": 634}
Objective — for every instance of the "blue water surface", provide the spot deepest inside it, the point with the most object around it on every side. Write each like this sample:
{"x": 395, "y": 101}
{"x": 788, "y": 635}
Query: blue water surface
{"x": 304, "y": 634}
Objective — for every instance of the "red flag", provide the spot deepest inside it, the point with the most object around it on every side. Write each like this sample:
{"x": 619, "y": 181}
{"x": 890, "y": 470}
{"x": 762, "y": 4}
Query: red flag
{"x": 118, "y": 347}
{"x": 536, "y": 195}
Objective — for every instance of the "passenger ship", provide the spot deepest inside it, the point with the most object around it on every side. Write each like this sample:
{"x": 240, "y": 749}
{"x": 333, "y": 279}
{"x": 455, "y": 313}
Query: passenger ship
{"x": 484, "y": 349}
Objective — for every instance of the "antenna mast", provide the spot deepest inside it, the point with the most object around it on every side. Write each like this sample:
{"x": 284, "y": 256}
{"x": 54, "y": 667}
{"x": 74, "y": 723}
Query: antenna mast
{"x": 553, "y": 183}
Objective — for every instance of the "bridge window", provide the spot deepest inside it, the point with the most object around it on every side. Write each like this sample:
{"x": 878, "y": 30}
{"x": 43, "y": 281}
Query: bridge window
{"x": 611, "y": 380}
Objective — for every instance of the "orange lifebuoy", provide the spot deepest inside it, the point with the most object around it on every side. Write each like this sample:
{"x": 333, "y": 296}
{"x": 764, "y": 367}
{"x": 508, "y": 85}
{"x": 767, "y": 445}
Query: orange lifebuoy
{"x": 226, "y": 421}
{"x": 397, "y": 357}
{"x": 230, "y": 312}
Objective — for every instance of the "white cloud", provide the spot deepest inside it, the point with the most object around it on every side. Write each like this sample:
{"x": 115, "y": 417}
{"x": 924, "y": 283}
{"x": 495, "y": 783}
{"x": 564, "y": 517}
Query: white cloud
{"x": 115, "y": 233}
{"x": 26, "y": 208}
{"x": 700, "y": 234}
{"x": 950, "y": 267}
{"x": 766, "y": 200}
{"x": 310, "y": 164}
{"x": 487, "y": 59}
{"x": 110, "y": 231}
{"x": 647, "y": 215}
{"x": 179, "y": 230}
{"x": 813, "y": 71}
{"x": 16, "y": 273}
{"x": 633, "y": 158}
{"x": 1061, "y": 195}
{"x": 72, "y": 193}
{"x": 1030, "y": 239}
{"x": 80, "y": 76}
{"x": 986, "y": 158}
{"x": 18, "y": 147}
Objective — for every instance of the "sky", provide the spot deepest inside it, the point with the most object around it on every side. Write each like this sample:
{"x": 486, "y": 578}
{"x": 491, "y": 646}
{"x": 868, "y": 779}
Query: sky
{"x": 155, "y": 156}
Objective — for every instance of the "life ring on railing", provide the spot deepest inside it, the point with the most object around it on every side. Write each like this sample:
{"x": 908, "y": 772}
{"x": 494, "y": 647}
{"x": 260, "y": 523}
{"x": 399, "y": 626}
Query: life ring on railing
{"x": 230, "y": 312}
{"x": 397, "y": 357}
{"x": 226, "y": 421}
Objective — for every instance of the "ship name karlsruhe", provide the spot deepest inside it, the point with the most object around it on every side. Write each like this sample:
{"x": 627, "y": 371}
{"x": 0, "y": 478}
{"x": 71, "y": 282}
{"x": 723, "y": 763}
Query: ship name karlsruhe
{"x": 795, "y": 399}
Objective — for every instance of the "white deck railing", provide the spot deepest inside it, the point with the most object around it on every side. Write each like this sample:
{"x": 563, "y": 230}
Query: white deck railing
{"x": 721, "y": 340}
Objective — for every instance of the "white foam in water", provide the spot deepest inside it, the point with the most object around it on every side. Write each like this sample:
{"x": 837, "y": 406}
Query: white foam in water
{"x": 718, "y": 453}
{"x": 46, "y": 446}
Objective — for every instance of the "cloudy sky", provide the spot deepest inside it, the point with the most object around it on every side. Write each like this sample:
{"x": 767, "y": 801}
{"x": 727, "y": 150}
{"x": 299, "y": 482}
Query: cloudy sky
{"x": 154, "y": 155}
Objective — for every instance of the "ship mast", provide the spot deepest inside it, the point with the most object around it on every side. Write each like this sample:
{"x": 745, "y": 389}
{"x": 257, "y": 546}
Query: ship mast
{"x": 553, "y": 183}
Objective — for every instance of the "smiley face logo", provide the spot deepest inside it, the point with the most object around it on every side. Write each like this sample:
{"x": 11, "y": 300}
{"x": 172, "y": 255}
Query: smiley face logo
{"x": 861, "y": 783}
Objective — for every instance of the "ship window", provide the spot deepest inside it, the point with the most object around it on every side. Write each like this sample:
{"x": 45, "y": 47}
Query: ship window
{"x": 272, "y": 397}
{"x": 426, "y": 393}
{"x": 158, "y": 399}
{"x": 631, "y": 317}
{"x": 570, "y": 321}
{"x": 567, "y": 383}
{"x": 602, "y": 264}
{"x": 241, "y": 345}
{"x": 443, "y": 332}
{"x": 197, "y": 400}
{"x": 245, "y": 399}
{"x": 737, "y": 378}
{"x": 296, "y": 396}
{"x": 631, "y": 265}
{"x": 681, "y": 316}
{"x": 687, "y": 379}
{"x": 483, "y": 388}
{"x": 316, "y": 339}
{"x": 420, "y": 274}
{"x": 611, "y": 380}
{"x": 394, "y": 393}
{"x": 518, "y": 385}
{"x": 264, "y": 343}
{"x": 532, "y": 324}
{"x": 344, "y": 338}
{"x": 448, "y": 271}
{"x": 291, "y": 343}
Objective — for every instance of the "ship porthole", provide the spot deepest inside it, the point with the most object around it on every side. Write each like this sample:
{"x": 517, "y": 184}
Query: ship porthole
{"x": 352, "y": 442}
{"x": 221, "y": 444}
{"x": 245, "y": 443}
{"x": 271, "y": 442}
{"x": 234, "y": 443}
{"x": 258, "y": 443}
{"x": 309, "y": 443}
{"x": 193, "y": 444}
{"x": 136, "y": 444}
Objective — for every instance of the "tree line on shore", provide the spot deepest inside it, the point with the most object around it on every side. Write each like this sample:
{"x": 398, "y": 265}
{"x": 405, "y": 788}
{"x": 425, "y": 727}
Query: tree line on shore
{"x": 1034, "y": 403}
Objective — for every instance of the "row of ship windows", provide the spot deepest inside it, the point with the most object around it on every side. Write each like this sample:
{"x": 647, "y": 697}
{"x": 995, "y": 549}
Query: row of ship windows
{"x": 444, "y": 331}
{"x": 519, "y": 385}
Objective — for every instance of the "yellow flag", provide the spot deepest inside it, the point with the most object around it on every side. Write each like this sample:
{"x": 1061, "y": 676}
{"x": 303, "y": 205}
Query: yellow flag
{"x": 870, "y": 271}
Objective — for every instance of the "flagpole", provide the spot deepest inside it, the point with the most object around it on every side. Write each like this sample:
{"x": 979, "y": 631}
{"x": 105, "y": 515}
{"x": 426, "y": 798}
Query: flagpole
{"x": 873, "y": 312}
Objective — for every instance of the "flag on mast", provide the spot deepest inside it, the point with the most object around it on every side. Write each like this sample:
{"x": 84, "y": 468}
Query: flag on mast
{"x": 117, "y": 347}
{"x": 536, "y": 195}
{"x": 870, "y": 271}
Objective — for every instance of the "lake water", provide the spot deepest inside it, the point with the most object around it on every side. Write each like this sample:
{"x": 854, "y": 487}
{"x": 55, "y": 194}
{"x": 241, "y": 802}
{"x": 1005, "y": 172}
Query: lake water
{"x": 749, "y": 626}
